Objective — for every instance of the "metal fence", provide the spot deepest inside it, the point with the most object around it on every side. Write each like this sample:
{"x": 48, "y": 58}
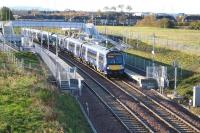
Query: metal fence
{"x": 66, "y": 76}
{"x": 181, "y": 45}
{"x": 134, "y": 62}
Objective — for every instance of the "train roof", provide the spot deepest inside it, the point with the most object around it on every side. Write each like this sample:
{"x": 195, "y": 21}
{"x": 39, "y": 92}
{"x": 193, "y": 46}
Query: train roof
{"x": 96, "y": 47}
{"x": 91, "y": 45}
{"x": 75, "y": 40}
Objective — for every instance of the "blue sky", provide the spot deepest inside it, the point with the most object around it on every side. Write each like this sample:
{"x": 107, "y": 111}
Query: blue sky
{"x": 167, "y": 6}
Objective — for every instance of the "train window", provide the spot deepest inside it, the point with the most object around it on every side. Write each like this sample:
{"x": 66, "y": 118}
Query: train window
{"x": 91, "y": 54}
{"x": 118, "y": 59}
{"x": 71, "y": 45}
{"x": 83, "y": 51}
{"x": 78, "y": 50}
{"x": 115, "y": 59}
{"x": 101, "y": 59}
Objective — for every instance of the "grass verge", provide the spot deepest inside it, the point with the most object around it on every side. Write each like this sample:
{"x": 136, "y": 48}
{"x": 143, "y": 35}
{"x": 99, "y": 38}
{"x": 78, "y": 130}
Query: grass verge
{"x": 28, "y": 103}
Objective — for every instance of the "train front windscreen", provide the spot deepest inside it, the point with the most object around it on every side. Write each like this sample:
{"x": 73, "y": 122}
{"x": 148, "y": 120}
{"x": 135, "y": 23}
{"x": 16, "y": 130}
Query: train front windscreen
{"x": 114, "y": 59}
{"x": 115, "y": 63}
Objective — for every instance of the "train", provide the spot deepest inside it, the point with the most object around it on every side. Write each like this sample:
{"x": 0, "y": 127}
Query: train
{"x": 109, "y": 61}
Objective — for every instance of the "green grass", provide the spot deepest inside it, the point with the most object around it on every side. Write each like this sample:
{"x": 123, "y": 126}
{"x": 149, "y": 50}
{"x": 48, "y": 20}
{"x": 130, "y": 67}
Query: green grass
{"x": 27, "y": 56}
{"x": 190, "y": 65}
{"x": 29, "y": 104}
{"x": 17, "y": 30}
{"x": 184, "y": 36}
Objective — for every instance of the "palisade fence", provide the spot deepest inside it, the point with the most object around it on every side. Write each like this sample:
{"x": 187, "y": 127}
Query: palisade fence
{"x": 161, "y": 42}
{"x": 143, "y": 65}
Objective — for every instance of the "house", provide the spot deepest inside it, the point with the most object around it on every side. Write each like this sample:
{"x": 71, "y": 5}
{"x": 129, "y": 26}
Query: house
{"x": 192, "y": 18}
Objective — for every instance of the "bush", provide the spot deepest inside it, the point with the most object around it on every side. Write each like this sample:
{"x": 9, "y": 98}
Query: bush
{"x": 165, "y": 23}
{"x": 195, "y": 25}
{"x": 148, "y": 21}
{"x": 151, "y": 21}
{"x": 183, "y": 24}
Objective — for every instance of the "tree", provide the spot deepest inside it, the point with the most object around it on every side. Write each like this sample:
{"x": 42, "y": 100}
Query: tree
{"x": 121, "y": 7}
{"x": 122, "y": 19}
{"x": 99, "y": 13}
{"x": 113, "y": 9}
{"x": 148, "y": 21}
{"x": 165, "y": 23}
{"x": 195, "y": 25}
{"x": 129, "y": 8}
{"x": 106, "y": 8}
{"x": 6, "y": 14}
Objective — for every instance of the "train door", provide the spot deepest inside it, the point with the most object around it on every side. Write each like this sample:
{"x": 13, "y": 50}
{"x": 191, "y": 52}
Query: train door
{"x": 78, "y": 49}
{"x": 101, "y": 62}
{"x": 67, "y": 44}
{"x": 86, "y": 54}
{"x": 97, "y": 60}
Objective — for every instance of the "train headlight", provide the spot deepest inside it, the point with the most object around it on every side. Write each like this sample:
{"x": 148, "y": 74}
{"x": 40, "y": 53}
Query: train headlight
{"x": 108, "y": 67}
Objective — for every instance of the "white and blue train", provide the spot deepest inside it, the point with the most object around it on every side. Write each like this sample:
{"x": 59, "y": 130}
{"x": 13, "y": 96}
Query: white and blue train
{"x": 108, "y": 61}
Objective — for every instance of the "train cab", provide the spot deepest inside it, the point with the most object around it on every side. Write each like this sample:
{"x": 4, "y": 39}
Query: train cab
{"x": 115, "y": 63}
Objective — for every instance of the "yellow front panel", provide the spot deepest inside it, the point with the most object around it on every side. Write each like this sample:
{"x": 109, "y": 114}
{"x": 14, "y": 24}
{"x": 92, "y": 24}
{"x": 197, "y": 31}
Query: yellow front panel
{"x": 115, "y": 67}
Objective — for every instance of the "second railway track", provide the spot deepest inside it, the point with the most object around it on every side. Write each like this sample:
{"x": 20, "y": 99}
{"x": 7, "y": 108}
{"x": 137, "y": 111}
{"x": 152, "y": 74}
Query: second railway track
{"x": 127, "y": 118}
{"x": 129, "y": 107}
{"x": 152, "y": 123}
{"x": 167, "y": 115}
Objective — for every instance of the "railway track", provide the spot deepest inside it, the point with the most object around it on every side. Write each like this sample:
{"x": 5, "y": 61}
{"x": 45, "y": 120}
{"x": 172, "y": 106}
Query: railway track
{"x": 176, "y": 108}
{"x": 163, "y": 119}
{"x": 167, "y": 115}
{"x": 127, "y": 118}
{"x": 134, "y": 106}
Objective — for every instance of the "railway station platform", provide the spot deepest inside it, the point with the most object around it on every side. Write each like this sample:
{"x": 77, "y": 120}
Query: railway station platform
{"x": 65, "y": 75}
{"x": 135, "y": 76}
{"x": 142, "y": 81}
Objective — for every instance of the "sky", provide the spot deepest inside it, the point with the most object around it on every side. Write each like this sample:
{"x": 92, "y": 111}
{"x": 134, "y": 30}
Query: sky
{"x": 157, "y": 6}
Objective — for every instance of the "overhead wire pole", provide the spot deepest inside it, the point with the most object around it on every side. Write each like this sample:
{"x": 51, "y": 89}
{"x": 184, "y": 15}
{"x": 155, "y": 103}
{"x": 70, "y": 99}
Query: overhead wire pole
{"x": 153, "y": 51}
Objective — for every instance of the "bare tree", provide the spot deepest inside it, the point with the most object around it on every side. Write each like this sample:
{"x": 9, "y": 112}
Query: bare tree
{"x": 113, "y": 9}
{"x": 106, "y": 8}
{"x": 129, "y": 8}
{"x": 121, "y": 7}
{"x": 99, "y": 13}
